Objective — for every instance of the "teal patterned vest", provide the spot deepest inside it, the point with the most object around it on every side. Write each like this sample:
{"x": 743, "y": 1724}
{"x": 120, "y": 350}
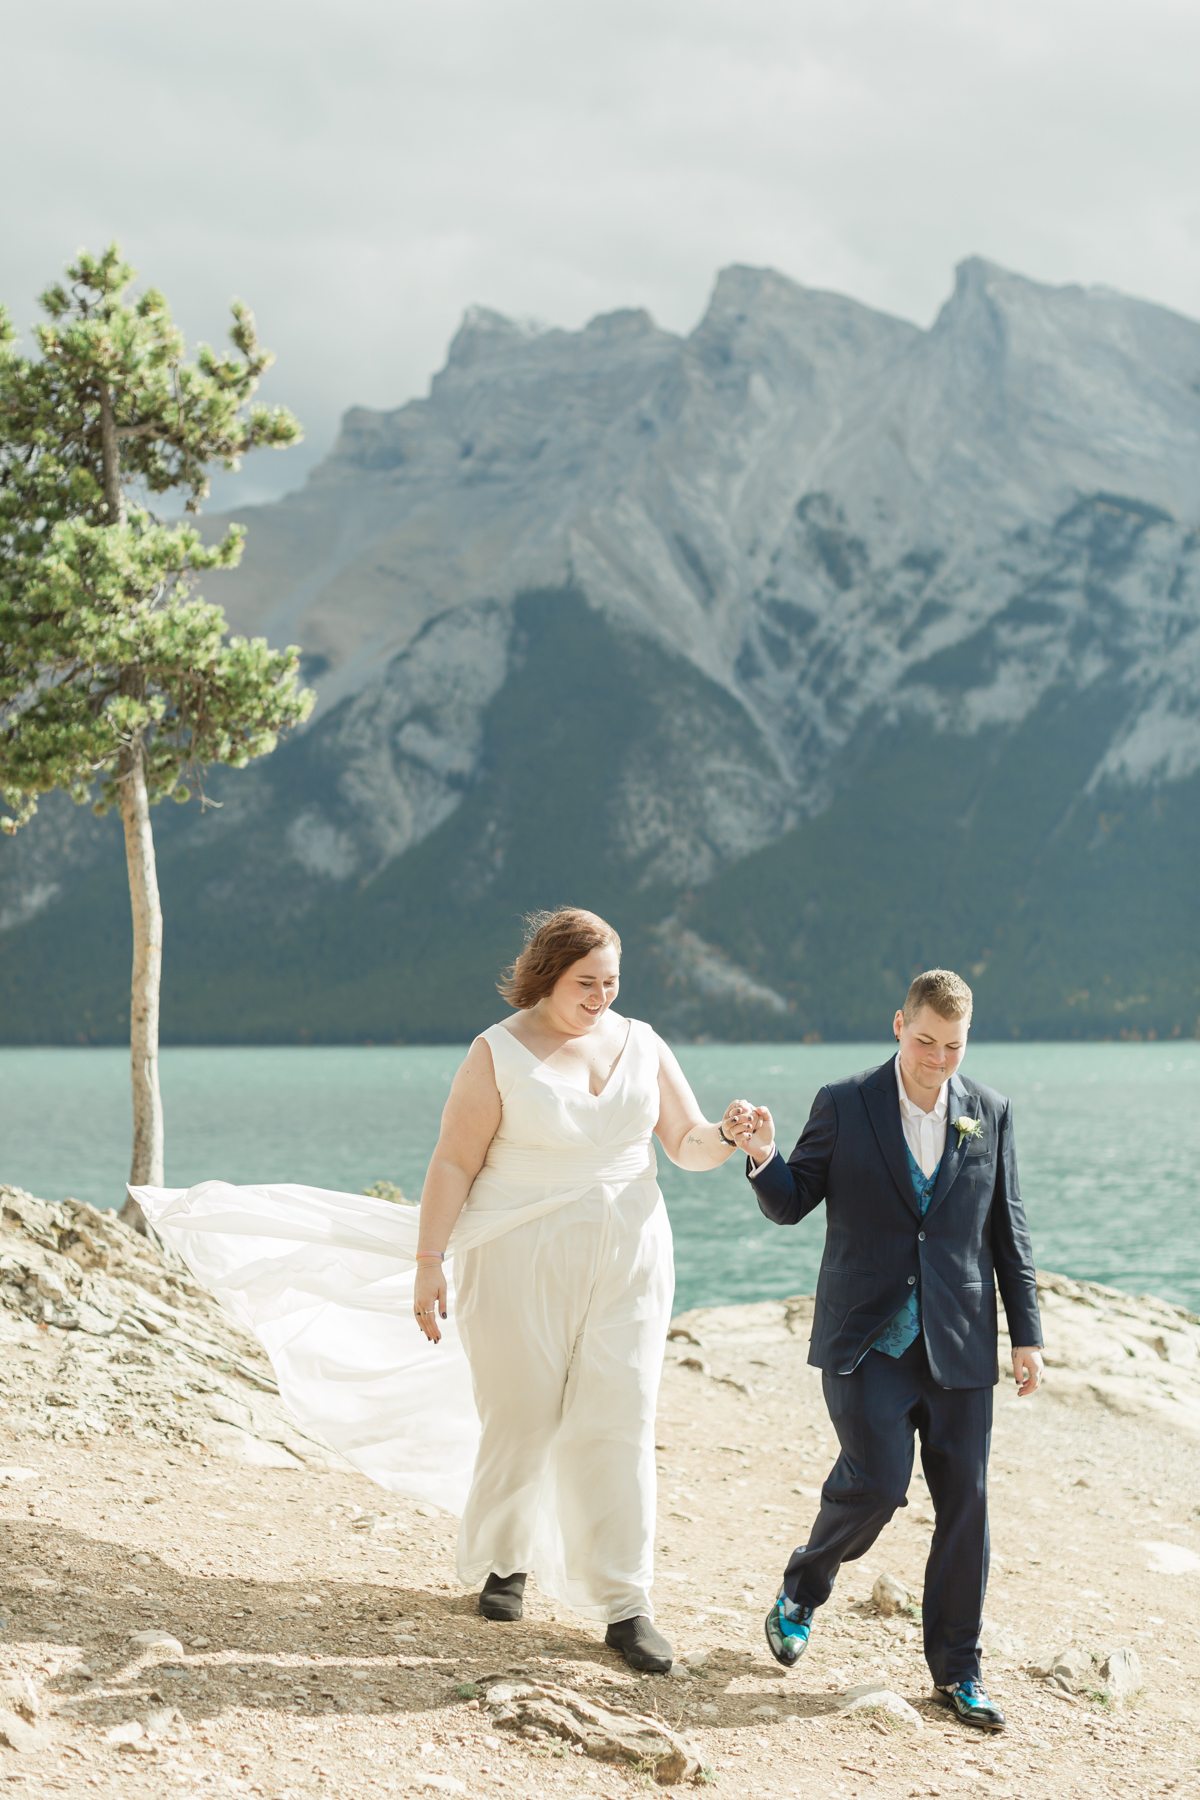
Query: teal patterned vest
{"x": 905, "y": 1328}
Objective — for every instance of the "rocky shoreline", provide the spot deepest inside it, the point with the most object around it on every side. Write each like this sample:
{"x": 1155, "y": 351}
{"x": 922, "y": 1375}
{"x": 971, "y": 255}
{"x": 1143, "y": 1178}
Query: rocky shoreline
{"x": 142, "y": 1350}
{"x": 200, "y": 1598}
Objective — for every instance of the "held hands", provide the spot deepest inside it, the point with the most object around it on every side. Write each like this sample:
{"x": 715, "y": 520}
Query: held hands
{"x": 737, "y": 1121}
{"x": 751, "y": 1128}
{"x": 429, "y": 1297}
{"x": 1028, "y": 1369}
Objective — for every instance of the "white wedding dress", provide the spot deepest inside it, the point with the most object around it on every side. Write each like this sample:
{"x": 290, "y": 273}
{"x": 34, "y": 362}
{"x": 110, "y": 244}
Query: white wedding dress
{"x": 561, "y": 1281}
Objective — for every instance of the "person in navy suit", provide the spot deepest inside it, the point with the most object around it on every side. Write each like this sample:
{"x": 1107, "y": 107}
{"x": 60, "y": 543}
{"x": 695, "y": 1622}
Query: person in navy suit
{"x": 918, "y": 1172}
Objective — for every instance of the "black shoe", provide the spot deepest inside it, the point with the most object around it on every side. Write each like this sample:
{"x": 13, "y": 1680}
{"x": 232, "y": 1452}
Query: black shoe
{"x": 642, "y": 1647}
{"x": 973, "y": 1704}
{"x": 787, "y": 1627}
{"x": 502, "y": 1597}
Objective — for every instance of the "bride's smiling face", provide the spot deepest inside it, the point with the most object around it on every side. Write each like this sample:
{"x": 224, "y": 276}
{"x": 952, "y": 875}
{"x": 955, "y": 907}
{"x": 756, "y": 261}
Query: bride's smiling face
{"x": 583, "y": 993}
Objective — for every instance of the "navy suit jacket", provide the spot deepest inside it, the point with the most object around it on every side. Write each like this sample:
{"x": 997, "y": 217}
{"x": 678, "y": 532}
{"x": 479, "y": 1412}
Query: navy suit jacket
{"x": 852, "y": 1155}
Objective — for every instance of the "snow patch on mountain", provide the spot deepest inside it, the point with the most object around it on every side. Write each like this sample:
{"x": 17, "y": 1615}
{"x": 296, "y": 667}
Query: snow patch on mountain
{"x": 701, "y": 969}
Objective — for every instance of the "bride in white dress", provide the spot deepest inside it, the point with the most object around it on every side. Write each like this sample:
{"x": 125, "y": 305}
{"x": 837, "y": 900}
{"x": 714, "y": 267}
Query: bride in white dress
{"x": 544, "y": 1253}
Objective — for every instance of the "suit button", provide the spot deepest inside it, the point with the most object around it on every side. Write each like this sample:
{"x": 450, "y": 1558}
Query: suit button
{"x": 912, "y": 1281}
{"x": 920, "y": 1237}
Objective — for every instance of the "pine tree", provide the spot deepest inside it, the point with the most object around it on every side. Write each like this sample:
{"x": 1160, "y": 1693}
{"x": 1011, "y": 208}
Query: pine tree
{"x": 118, "y": 683}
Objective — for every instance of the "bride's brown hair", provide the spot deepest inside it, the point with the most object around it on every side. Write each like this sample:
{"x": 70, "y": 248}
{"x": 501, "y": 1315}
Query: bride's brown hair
{"x": 553, "y": 941}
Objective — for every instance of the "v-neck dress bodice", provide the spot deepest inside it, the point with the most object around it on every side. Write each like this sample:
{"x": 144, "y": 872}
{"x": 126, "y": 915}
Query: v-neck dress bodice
{"x": 556, "y": 1142}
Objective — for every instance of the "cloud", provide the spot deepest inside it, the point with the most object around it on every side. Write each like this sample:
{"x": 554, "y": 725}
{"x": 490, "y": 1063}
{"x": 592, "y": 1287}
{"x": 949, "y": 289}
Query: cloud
{"x": 361, "y": 172}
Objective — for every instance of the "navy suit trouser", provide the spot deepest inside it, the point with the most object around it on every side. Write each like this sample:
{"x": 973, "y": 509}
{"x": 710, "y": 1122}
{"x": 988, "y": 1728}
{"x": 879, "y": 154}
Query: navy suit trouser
{"x": 877, "y": 1410}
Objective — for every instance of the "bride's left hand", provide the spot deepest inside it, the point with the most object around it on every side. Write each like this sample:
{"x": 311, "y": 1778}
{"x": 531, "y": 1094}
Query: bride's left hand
{"x": 738, "y": 1121}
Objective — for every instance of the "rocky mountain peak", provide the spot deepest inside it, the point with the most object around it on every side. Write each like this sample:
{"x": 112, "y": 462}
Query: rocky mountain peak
{"x": 626, "y": 322}
{"x": 486, "y": 334}
{"x": 771, "y": 555}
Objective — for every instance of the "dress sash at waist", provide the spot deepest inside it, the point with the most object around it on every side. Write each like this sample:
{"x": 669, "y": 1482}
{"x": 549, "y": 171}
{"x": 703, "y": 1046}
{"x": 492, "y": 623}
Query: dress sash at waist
{"x": 570, "y": 1166}
{"x": 522, "y": 1182}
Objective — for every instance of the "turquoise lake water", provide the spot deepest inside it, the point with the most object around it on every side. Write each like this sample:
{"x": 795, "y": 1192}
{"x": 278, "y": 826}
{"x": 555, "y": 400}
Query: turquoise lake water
{"x": 1108, "y": 1138}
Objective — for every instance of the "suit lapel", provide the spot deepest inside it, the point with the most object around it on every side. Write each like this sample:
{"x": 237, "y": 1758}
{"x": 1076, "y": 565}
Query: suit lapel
{"x": 882, "y": 1101}
{"x": 958, "y": 1102}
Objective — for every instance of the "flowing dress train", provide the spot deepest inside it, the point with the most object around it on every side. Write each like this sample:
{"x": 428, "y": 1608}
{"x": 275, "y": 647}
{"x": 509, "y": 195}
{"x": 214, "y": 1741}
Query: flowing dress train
{"x": 534, "y": 1418}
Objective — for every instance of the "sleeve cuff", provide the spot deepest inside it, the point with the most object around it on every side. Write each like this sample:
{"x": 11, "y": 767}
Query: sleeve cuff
{"x": 754, "y": 1170}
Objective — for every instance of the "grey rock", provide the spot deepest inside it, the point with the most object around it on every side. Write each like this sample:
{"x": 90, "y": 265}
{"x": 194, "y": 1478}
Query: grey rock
{"x": 244, "y": 1446}
{"x": 19, "y": 1735}
{"x": 503, "y": 1693}
{"x": 129, "y": 1731}
{"x": 1072, "y": 1666}
{"x": 376, "y": 1524}
{"x": 167, "y": 1722}
{"x": 13, "y": 1474}
{"x": 18, "y": 1694}
{"x": 610, "y": 1733}
{"x": 890, "y": 1595}
{"x": 1121, "y": 1673}
{"x": 96, "y": 1323}
{"x": 144, "y": 1641}
{"x": 874, "y": 1696}
{"x": 1059, "y": 1689}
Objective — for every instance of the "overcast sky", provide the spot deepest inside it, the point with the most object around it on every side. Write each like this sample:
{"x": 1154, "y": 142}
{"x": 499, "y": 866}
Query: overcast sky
{"x": 362, "y": 171}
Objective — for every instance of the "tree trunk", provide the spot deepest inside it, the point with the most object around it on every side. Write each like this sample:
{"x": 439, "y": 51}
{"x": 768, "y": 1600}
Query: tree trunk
{"x": 146, "y": 1167}
{"x": 110, "y": 450}
{"x": 146, "y": 1164}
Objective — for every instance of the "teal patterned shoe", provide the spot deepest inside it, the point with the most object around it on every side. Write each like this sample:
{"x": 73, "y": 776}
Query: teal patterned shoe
{"x": 973, "y": 1704}
{"x": 787, "y": 1628}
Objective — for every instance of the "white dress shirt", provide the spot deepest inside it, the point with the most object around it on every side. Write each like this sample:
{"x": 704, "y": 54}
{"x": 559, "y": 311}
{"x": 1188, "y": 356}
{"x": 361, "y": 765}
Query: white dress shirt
{"x": 924, "y": 1132}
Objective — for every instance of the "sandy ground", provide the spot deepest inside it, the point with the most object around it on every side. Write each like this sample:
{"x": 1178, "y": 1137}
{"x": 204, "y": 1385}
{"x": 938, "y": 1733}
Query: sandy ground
{"x": 323, "y": 1644}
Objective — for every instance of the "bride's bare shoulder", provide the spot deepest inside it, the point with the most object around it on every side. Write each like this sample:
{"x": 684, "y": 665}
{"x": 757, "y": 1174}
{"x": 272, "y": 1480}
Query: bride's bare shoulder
{"x": 478, "y": 1062}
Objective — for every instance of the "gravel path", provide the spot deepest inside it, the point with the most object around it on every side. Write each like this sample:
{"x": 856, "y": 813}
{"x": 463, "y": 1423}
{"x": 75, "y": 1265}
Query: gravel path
{"x": 314, "y": 1639}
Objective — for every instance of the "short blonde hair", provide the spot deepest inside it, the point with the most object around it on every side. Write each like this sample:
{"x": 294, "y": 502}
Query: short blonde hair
{"x": 553, "y": 941}
{"x": 943, "y": 990}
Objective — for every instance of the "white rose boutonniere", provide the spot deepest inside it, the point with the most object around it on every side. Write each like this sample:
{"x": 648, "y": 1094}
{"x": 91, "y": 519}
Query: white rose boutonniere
{"x": 967, "y": 1127}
